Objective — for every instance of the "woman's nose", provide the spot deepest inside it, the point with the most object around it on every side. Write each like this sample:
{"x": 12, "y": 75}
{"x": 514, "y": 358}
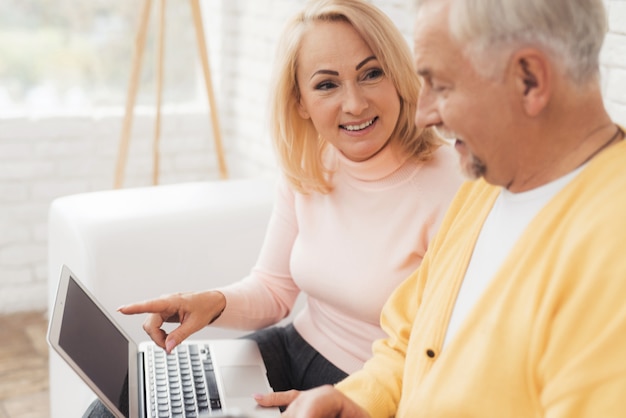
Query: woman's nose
{"x": 354, "y": 101}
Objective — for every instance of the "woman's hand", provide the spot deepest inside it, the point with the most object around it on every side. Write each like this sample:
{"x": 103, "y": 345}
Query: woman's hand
{"x": 193, "y": 311}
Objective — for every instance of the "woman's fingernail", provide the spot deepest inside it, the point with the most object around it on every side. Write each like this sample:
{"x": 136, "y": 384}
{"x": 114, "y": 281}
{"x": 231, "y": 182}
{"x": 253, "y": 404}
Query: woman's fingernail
{"x": 169, "y": 345}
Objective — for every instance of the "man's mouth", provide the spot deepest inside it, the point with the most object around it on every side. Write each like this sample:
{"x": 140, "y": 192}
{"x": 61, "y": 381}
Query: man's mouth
{"x": 446, "y": 133}
{"x": 360, "y": 126}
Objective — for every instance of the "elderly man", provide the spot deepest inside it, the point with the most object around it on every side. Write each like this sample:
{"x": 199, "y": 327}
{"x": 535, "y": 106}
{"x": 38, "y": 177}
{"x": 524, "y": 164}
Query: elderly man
{"x": 519, "y": 307}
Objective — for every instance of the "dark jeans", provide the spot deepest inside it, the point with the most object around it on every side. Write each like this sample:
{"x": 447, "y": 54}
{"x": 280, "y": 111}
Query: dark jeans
{"x": 290, "y": 361}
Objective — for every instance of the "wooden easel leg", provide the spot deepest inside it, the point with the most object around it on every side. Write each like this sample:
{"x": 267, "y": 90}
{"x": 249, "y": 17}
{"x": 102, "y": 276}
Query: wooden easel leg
{"x": 159, "y": 93}
{"x": 217, "y": 136}
{"x": 140, "y": 42}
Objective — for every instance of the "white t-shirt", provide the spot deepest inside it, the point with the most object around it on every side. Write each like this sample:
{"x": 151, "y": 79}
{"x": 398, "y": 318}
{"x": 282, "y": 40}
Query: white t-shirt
{"x": 507, "y": 220}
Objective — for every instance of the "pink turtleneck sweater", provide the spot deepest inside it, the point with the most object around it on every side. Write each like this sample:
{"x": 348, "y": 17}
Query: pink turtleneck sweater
{"x": 346, "y": 250}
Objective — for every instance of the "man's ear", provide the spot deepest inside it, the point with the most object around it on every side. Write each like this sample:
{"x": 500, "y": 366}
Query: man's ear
{"x": 531, "y": 70}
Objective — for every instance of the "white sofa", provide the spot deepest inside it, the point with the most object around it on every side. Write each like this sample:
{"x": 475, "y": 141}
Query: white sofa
{"x": 134, "y": 244}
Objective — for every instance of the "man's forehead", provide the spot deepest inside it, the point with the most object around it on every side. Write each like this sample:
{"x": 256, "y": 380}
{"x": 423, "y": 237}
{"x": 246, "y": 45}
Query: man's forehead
{"x": 430, "y": 11}
{"x": 431, "y": 37}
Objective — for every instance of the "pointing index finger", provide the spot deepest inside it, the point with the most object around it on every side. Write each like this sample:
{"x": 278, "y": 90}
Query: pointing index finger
{"x": 151, "y": 306}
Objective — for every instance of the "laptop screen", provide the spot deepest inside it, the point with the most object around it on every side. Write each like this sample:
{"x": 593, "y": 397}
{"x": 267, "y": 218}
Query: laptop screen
{"x": 95, "y": 345}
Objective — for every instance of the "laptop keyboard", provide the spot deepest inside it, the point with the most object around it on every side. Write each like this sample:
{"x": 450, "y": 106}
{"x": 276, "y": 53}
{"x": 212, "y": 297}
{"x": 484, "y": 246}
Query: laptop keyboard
{"x": 182, "y": 383}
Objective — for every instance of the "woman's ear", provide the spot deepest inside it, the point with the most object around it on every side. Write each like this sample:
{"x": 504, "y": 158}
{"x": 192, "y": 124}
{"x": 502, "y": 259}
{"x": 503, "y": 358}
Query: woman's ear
{"x": 532, "y": 74}
{"x": 302, "y": 110}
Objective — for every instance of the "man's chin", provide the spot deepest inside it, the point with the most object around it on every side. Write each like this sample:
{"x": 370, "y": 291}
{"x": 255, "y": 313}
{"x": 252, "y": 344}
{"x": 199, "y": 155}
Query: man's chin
{"x": 471, "y": 167}
{"x": 469, "y": 174}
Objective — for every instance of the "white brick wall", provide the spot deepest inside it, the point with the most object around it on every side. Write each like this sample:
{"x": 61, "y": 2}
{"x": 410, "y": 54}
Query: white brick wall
{"x": 42, "y": 158}
{"x": 614, "y": 61}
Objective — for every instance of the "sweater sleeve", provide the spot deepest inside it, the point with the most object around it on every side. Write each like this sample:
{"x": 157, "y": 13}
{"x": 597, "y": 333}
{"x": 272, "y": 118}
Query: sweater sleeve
{"x": 581, "y": 366}
{"x": 377, "y": 387}
{"x": 268, "y": 294}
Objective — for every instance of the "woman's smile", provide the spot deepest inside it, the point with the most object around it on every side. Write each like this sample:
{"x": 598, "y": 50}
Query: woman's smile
{"x": 360, "y": 127}
{"x": 344, "y": 91}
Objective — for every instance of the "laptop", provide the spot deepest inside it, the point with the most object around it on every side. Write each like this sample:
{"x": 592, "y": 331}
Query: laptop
{"x": 201, "y": 378}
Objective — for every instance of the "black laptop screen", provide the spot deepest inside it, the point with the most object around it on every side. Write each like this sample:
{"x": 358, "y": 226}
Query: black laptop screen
{"x": 95, "y": 345}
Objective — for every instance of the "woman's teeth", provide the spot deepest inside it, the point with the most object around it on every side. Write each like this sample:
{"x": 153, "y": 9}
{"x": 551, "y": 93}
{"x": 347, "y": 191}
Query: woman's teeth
{"x": 358, "y": 127}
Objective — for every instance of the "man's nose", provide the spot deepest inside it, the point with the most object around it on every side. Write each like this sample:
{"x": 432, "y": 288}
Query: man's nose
{"x": 427, "y": 113}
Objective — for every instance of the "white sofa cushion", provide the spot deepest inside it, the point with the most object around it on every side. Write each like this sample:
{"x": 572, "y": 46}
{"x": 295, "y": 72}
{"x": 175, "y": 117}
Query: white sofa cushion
{"x": 133, "y": 244}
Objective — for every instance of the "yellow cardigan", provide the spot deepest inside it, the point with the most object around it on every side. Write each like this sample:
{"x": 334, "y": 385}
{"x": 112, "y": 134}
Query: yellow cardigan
{"x": 548, "y": 336}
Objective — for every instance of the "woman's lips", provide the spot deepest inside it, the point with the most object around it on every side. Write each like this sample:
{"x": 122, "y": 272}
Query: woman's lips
{"x": 359, "y": 127}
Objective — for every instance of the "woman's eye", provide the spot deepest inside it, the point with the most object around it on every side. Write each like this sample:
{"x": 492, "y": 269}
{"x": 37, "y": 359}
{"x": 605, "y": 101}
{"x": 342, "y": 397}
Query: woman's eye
{"x": 325, "y": 85}
{"x": 373, "y": 74}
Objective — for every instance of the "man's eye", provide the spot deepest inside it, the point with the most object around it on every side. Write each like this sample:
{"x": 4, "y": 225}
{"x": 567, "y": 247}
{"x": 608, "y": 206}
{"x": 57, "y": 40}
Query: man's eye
{"x": 434, "y": 86}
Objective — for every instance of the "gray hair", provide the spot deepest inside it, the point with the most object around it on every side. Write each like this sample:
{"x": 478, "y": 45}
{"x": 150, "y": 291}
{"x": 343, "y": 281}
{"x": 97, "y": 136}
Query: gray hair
{"x": 571, "y": 30}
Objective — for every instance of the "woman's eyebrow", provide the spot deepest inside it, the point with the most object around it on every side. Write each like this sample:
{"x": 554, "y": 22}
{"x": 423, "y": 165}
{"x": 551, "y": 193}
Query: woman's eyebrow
{"x": 336, "y": 73}
{"x": 365, "y": 61}
{"x": 327, "y": 72}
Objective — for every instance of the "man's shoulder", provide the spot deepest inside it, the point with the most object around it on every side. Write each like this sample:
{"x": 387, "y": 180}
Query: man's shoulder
{"x": 603, "y": 180}
{"x": 476, "y": 194}
{"x": 470, "y": 206}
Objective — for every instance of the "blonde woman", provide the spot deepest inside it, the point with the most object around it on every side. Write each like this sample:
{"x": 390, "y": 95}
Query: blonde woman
{"x": 363, "y": 192}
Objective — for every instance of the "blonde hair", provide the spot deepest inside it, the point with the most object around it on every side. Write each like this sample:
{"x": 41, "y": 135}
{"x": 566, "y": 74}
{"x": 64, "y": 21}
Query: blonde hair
{"x": 298, "y": 145}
